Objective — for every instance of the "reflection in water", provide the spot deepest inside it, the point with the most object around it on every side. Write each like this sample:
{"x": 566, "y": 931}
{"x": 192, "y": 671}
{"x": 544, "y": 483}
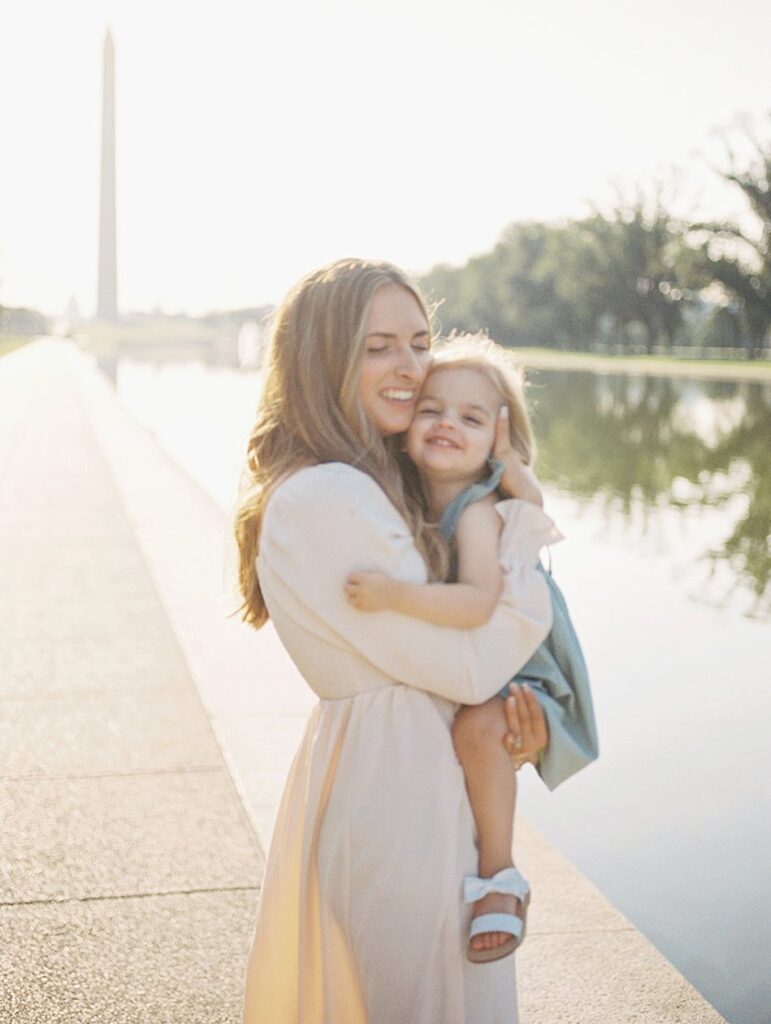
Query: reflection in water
{"x": 109, "y": 366}
{"x": 653, "y": 482}
{"x": 637, "y": 445}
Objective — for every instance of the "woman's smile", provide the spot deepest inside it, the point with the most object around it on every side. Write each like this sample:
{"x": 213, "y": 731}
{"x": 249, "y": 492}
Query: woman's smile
{"x": 395, "y": 361}
{"x": 399, "y": 394}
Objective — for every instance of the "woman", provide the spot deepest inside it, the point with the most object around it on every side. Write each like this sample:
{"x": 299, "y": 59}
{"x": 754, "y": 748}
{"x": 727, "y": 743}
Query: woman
{"x": 362, "y": 919}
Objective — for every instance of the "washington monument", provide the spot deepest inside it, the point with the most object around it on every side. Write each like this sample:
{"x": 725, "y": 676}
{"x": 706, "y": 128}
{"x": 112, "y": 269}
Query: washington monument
{"x": 107, "y": 304}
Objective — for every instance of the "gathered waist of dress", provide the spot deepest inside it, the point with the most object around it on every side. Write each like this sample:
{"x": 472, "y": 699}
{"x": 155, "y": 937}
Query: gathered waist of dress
{"x": 401, "y": 693}
{"x": 334, "y": 698}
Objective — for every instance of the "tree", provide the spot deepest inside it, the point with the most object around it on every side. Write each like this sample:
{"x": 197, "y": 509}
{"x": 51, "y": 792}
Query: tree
{"x": 624, "y": 266}
{"x": 501, "y": 291}
{"x": 554, "y": 285}
{"x": 738, "y": 257}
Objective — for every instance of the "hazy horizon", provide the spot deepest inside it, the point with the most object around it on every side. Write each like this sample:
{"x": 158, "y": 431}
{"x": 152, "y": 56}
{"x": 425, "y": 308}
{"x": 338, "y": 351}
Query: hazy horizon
{"x": 255, "y": 145}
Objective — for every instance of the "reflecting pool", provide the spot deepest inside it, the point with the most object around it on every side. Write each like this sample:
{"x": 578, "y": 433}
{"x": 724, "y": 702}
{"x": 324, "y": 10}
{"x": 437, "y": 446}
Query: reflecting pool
{"x": 654, "y": 454}
{"x": 662, "y": 487}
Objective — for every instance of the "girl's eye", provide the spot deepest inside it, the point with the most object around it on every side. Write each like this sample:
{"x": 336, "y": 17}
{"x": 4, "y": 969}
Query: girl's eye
{"x": 427, "y": 410}
{"x": 422, "y": 346}
{"x": 376, "y": 348}
{"x": 474, "y": 421}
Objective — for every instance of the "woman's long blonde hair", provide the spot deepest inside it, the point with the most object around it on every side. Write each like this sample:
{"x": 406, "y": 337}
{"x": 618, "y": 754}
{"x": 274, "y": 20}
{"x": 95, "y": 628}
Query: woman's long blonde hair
{"x": 310, "y": 411}
{"x": 499, "y": 365}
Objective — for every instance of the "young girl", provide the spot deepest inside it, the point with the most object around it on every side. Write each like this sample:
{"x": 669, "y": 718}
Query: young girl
{"x": 471, "y": 383}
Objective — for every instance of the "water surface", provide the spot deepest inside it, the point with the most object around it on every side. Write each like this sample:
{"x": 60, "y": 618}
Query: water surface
{"x": 663, "y": 490}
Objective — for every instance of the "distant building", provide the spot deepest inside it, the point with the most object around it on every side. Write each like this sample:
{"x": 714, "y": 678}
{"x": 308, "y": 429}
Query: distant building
{"x": 107, "y": 302}
{"x": 250, "y": 344}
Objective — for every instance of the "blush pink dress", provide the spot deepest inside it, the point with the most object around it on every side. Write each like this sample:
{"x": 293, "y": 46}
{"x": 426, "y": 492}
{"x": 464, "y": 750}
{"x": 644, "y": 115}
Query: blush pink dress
{"x": 361, "y": 918}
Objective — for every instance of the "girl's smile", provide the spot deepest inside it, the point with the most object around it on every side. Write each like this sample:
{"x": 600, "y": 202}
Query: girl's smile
{"x": 453, "y": 431}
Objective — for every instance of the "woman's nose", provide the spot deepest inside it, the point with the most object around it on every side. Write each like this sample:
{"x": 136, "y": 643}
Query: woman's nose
{"x": 410, "y": 366}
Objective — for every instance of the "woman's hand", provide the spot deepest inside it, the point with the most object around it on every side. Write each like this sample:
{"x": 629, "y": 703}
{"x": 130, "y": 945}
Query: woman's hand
{"x": 518, "y": 480}
{"x": 528, "y": 733}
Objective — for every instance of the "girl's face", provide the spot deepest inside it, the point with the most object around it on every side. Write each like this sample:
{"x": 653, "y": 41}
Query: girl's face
{"x": 396, "y": 359}
{"x": 453, "y": 431}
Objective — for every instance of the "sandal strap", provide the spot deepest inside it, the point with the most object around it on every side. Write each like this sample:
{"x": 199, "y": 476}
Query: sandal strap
{"x": 509, "y": 923}
{"x": 508, "y": 882}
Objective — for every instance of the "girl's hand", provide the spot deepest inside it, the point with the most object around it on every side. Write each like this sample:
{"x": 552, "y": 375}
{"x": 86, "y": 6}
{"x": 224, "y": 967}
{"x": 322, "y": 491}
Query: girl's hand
{"x": 528, "y": 733}
{"x": 369, "y": 591}
{"x": 518, "y": 480}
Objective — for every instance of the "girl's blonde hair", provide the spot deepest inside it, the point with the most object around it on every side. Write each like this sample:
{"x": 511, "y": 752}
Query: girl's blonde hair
{"x": 310, "y": 411}
{"x": 500, "y": 367}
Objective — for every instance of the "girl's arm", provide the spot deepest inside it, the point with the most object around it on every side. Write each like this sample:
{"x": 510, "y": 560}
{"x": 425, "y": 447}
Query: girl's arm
{"x": 463, "y": 605}
{"x": 518, "y": 480}
{"x": 326, "y": 520}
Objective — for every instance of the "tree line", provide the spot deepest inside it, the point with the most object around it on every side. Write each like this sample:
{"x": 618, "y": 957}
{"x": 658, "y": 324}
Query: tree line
{"x": 636, "y": 278}
{"x": 18, "y": 320}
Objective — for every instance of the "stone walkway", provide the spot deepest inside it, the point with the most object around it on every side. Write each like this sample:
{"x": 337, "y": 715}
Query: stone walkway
{"x": 129, "y": 702}
{"x": 128, "y": 867}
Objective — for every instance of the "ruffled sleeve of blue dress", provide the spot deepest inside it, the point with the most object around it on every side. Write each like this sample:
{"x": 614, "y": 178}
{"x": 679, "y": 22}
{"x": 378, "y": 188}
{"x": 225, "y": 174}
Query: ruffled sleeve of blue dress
{"x": 557, "y": 671}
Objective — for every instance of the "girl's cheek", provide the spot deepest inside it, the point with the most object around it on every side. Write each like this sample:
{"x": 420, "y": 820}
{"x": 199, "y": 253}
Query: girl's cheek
{"x": 412, "y": 437}
{"x": 413, "y": 428}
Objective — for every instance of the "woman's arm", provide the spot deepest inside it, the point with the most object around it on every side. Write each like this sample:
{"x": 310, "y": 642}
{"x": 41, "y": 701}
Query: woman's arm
{"x": 469, "y": 602}
{"x": 330, "y": 520}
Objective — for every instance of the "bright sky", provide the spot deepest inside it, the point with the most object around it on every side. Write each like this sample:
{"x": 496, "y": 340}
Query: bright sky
{"x": 258, "y": 140}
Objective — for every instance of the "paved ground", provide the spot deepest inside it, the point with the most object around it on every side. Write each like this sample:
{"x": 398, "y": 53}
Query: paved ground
{"x": 129, "y": 864}
{"x": 129, "y": 867}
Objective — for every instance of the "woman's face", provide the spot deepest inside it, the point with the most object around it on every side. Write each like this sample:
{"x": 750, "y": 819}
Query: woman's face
{"x": 396, "y": 359}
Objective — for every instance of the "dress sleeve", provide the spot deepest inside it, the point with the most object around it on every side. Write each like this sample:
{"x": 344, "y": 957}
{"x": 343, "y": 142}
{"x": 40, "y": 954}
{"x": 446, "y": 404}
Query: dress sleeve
{"x": 327, "y": 521}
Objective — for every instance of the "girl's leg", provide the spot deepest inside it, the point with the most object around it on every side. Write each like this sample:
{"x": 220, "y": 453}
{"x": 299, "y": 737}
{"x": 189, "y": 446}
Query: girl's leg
{"x": 491, "y": 782}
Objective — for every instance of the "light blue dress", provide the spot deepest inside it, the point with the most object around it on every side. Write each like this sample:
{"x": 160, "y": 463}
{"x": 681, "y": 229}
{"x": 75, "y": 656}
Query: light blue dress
{"x": 557, "y": 671}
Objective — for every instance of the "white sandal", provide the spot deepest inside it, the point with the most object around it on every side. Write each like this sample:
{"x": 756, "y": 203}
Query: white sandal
{"x": 509, "y": 882}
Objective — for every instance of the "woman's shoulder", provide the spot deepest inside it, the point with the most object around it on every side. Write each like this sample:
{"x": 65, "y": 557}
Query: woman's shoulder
{"x": 325, "y": 478}
{"x": 331, "y": 487}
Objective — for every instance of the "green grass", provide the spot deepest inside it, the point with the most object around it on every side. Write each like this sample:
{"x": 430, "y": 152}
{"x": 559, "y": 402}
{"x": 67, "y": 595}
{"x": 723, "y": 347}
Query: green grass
{"x": 8, "y": 342}
{"x": 755, "y": 368}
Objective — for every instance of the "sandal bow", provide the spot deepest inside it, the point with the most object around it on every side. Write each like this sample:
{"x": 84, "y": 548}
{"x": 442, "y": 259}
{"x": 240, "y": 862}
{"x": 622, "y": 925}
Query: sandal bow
{"x": 509, "y": 882}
